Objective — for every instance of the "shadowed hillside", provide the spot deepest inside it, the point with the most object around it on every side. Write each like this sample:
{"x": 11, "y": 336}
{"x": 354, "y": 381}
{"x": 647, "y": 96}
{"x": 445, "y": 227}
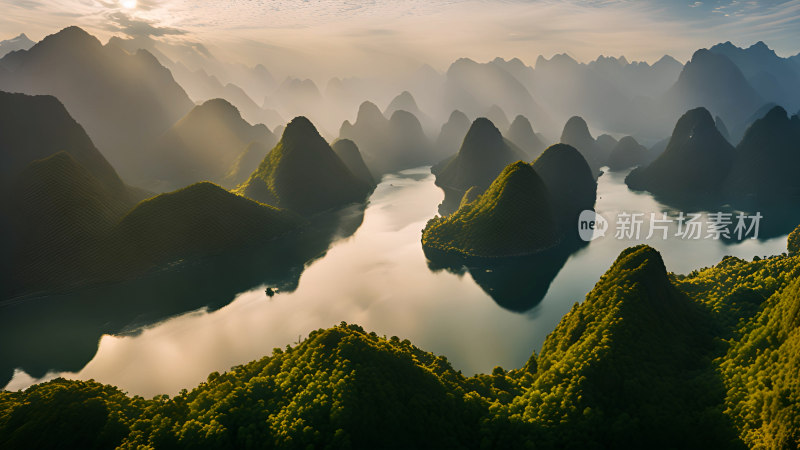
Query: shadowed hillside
{"x": 303, "y": 174}
{"x": 521, "y": 134}
{"x": 626, "y": 154}
{"x": 694, "y": 164}
{"x": 347, "y": 151}
{"x": 206, "y": 144}
{"x": 570, "y": 184}
{"x": 124, "y": 101}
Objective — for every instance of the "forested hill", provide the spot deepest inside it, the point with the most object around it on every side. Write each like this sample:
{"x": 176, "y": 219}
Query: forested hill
{"x": 648, "y": 360}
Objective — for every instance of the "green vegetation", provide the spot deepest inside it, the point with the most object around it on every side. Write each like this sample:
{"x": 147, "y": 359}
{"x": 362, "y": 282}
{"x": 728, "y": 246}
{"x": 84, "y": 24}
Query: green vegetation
{"x": 303, "y": 174}
{"x": 794, "y": 242}
{"x": 245, "y": 164}
{"x": 33, "y": 127}
{"x": 68, "y": 220}
{"x": 648, "y": 360}
{"x": 512, "y": 218}
{"x": 58, "y": 213}
{"x": 199, "y": 220}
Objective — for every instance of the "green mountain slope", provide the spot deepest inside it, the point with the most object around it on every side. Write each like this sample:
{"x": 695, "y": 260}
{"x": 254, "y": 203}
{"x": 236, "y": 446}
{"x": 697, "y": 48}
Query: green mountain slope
{"x": 33, "y": 127}
{"x": 196, "y": 221}
{"x": 123, "y": 100}
{"x": 512, "y": 218}
{"x": 628, "y": 367}
{"x": 245, "y": 164}
{"x": 303, "y": 174}
{"x": 58, "y": 213}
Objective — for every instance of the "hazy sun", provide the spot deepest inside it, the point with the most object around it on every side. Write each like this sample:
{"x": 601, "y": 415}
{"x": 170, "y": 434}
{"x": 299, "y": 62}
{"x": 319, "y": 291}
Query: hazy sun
{"x": 128, "y": 4}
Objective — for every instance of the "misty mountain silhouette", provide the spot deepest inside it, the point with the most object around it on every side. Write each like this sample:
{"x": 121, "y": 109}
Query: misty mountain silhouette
{"x": 626, "y": 154}
{"x": 388, "y": 145}
{"x": 473, "y": 88}
{"x": 20, "y": 42}
{"x": 303, "y": 174}
{"x": 347, "y": 151}
{"x": 522, "y": 135}
{"x": 610, "y": 92}
{"x": 763, "y": 174}
{"x": 406, "y": 102}
{"x": 295, "y": 97}
{"x": 576, "y": 133}
{"x": 774, "y": 78}
{"x": 452, "y": 134}
{"x": 206, "y": 144}
{"x": 694, "y": 164}
{"x": 124, "y": 101}
{"x": 35, "y": 127}
{"x": 723, "y": 129}
{"x": 497, "y": 116}
{"x": 713, "y": 81}
{"x": 202, "y": 86}
{"x": 482, "y": 156}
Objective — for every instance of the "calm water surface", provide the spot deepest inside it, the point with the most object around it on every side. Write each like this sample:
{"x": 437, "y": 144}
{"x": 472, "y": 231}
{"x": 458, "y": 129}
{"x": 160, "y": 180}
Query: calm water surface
{"x": 378, "y": 277}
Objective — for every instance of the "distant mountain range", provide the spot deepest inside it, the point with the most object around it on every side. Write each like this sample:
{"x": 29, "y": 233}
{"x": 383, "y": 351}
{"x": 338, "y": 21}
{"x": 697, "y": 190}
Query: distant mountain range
{"x": 124, "y": 101}
{"x": 700, "y": 167}
{"x": 20, "y": 42}
{"x": 392, "y": 144}
{"x": 206, "y": 144}
{"x": 474, "y": 88}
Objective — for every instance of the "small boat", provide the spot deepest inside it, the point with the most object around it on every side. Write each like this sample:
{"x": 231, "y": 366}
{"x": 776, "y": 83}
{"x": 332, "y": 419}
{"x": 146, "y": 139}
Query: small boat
{"x": 269, "y": 291}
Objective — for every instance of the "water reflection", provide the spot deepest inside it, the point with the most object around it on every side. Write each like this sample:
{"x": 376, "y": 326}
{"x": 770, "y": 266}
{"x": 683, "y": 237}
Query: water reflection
{"x": 377, "y": 277}
{"x": 516, "y": 284}
{"x": 62, "y": 332}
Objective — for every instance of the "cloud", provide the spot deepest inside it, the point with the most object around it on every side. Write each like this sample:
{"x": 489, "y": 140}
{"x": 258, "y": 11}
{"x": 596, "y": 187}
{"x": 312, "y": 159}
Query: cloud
{"x": 133, "y": 27}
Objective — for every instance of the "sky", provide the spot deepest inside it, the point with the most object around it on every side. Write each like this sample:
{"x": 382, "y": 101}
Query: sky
{"x": 386, "y": 35}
